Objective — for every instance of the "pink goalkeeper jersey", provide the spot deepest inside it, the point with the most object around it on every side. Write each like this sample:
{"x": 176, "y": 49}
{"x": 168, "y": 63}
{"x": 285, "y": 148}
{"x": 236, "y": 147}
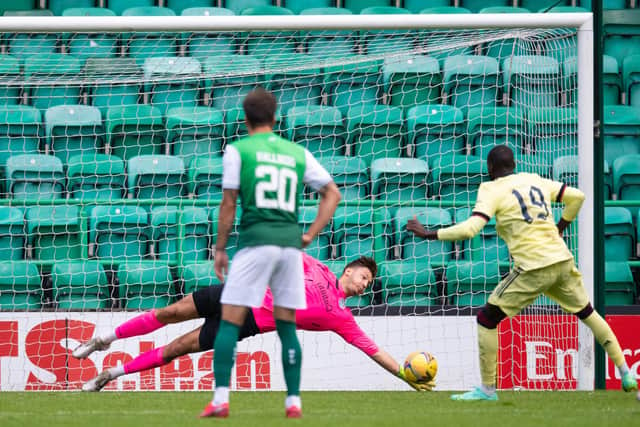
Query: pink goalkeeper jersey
{"x": 326, "y": 310}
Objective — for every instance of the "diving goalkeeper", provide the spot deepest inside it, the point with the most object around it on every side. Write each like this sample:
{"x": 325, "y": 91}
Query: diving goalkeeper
{"x": 325, "y": 296}
{"x": 542, "y": 262}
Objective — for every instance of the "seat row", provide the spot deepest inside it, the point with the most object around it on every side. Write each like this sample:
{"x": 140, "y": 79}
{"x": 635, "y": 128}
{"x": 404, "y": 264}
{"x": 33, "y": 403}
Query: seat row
{"x": 463, "y": 81}
{"x": 177, "y": 7}
{"x": 143, "y": 285}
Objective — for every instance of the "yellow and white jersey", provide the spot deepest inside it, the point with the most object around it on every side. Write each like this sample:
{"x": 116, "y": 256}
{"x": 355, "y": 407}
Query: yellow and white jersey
{"x": 521, "y": 204}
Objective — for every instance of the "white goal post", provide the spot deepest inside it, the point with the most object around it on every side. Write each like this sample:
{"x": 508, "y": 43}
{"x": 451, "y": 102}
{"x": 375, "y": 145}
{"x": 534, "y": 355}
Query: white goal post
{"x": 580, "y": 22}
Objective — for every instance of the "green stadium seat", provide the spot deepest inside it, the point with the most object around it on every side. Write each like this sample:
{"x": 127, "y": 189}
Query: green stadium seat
{"x": 134, "y": 130}
{"x": 230, "y": 79}
{"x": 119, "y": 6}
{"x": 155, "y": 176}
{"x": 457, "y": 178}
{"x": 118, "y": 232}
{"x": 239, "y": 5}
{"x": 198, "y": 276}
{"x": 540, "y": 4}
{"x": 73, "y": 130}
{"x": 12, "y": 233}
{"x": 356, "y": 6}
{"x": 565, "y": 169}
{"x": 435, "y": 130}
{"x": 486, "y": 246}
{"x": 488, "y": 127}
{"x": 564, "y": 42}
{"x": 476, "y": 6}
{"x": 621, "y": 131}
{"x": 232, "y": 241}
{"x": 620, "y": 288}
{"x": 10, "y": 79}
{"x": 16, "y": 5}
{"x": 408, "y": 283}
{"x": 412, "y": 80}
{"x": 195, "y": 131}
{"x": 610, "y": 79}
{"x": 375, "y": 131}
{"x": 626, "y": 177}
{"x": 621, "y": 33}
{"x": 201, "y": 46}
{"x": 320, "y": 248}
{"x": 177, "y": 85}
{"x": 609, "y": 4}
{"x": 197, "y": 237}
{"x": 415, "y": 6}
{"x": 631, "y": 79}
{"x": 205, "y": 178}
{"x": 297, "y": 6}
{"x": 295, "y": 81}
{"x": 555, "y": 133}
{"x": 90, "y": 45}
{"x": 179, "y": 6}
{"x": 471, "y": 81}
{"x": 426, "y": 252}
{"x": 318, "y": 128}
{"x": 432, "y": 40}
{"x": 619, "y": 234}
{"x": 356, "y": 82}
{"x": 169, "y": 245}
{"x": 112, "y": 82}
{"x": 399, "y": 179}
{"x": 504, "y": 48}
{"x": 80, "y": 286}
{"x": 20, "y": 127}
{"x": 141, "y": 46}
{"x": 34, "y": 176}
{"x": 20, "y": 286}
{"x": 145, "y": 285}
{"x": 349, "y": 174}
{"x": 269, "y": 44}
{"x": 531, "y": 81}
{"x": 354, "y": 232}
{"x": 387, "y": 41}
{"x": 442, "y": 9}
{"x": 54, "y": 232}
{"x": 95, "y": 177}
{"x": 328, "y": 43}
{"x": 24, "y": 44}
{"x": 52, "y": 67}
{"x": 469, "y": 283}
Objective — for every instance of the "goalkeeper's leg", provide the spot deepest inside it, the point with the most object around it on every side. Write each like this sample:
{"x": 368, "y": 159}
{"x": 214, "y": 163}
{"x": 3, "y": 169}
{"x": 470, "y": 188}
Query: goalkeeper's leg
{"x": 185, "y": 344}
{"x": 145, "y": 323}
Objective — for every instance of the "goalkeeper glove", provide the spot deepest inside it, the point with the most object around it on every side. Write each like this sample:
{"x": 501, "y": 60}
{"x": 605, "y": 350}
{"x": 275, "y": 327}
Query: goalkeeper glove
{"x": 418, "y": 386}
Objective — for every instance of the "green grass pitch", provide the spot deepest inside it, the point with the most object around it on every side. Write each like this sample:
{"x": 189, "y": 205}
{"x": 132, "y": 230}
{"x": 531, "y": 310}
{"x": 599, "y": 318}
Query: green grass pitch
{"x": 263, "y": 409}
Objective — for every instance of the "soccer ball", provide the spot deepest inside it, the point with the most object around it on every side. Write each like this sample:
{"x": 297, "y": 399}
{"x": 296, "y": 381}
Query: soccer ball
{"x": 420, "y": 366}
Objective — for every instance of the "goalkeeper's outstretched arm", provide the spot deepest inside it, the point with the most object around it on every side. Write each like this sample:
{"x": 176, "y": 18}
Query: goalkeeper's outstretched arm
{"x": 385, "y": 360}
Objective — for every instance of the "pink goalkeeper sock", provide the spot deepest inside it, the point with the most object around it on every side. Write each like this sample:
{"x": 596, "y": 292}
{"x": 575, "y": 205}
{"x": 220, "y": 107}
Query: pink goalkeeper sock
{"x": 149, "y": 360}
{"x": 139, "y": 325}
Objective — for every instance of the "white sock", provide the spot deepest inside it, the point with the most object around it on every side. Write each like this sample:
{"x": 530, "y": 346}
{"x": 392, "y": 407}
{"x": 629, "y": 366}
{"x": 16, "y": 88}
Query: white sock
{"x": 116, "y": 371}
{"x": 488, "y": 389}
{"x": 221, "y": 395}
{"x": 293, "y": 401}
{"x": 623, "y": 369}
{"x": 109, "y": 338}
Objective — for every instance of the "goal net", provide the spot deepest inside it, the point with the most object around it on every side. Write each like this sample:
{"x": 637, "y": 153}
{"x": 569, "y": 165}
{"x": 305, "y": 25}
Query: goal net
{"x": 110, "y": 151}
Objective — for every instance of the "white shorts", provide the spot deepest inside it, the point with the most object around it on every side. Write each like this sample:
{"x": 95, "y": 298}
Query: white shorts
{"x": 254, "y": 268}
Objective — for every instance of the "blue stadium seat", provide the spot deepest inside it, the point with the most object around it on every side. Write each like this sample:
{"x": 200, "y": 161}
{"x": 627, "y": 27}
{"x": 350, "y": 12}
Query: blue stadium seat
{"x": 20, "y": 286}
{"x": 118, "y": 232}
{"x": 621, "y": 131}
{"x": 12, "y": 233}
{"x": 435, "y": 130}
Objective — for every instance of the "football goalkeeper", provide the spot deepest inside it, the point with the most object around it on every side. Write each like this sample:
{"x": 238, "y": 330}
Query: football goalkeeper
{"x": 542, "y": 262}
{"x": 326, "y": 311}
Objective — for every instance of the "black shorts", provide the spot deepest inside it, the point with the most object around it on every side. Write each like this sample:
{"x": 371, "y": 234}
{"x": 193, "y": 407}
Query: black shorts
{"x": 207, "y": 302}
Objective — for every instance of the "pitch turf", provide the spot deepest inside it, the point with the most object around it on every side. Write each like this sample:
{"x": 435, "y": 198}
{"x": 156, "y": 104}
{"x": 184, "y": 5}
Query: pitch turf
{"x": 263, "y": 409}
